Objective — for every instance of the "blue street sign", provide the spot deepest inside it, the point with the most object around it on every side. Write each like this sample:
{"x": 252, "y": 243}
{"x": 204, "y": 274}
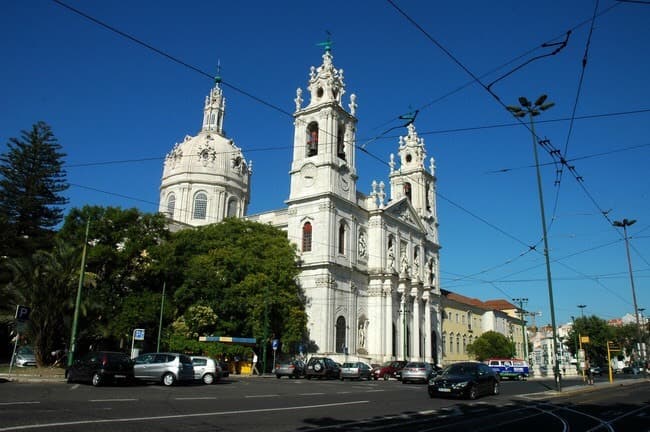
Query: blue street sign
{"x": 22, "y": 313}
{"x": 138, "y": 334}
{"x": 275, "y": 343}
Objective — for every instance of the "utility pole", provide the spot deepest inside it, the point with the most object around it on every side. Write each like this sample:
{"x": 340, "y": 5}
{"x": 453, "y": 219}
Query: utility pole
{"x": 624, "y": 224}
{"x": 82, "y": 272}
{"x": 521, "y": 302}
{"x": 532, "y": 110}
{"x": 582, "y": 307}
{"x": 162, "y": 307}
{"x": 266, "y": 329}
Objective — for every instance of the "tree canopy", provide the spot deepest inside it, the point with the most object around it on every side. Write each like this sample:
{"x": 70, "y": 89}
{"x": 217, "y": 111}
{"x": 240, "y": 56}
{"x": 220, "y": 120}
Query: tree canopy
{"x": 490, "y": 345}
{"x": 32, "y": 180}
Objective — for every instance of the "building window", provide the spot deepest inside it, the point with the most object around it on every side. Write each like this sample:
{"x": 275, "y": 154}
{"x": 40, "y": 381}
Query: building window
{"x": 312, "y": 139}
{"x": 340, "y": 335}
{"x": 444, "y": 344}
{"x": 463, "y": 318}
{"x": 342, "y": 238}
{"x": 306, "y": 237}
{"x": 340, "y": 142}
{"x": 464, "y": 343}
{"x": 171, "y": 204}
{"x": 458, "y": 343}
{"x": 200, "y": 206}
{"x": 231, "y": 211}
{"x": 456, "y": 318}
{"x": 451, "y": 343}
{"x": 407, "y": 190}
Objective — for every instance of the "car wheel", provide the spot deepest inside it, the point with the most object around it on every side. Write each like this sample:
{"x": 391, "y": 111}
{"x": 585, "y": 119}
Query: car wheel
{"x": 168, "y": 379}
{"x": 318, "y": 367}
{"x": 97, "y": 379}
{"x": 432, "y": 394}
{"x": 386, "y": 377}
{"x": 472, "y": 393}
{"x": 208, "y": 379}
{"x": 277, "y": 376}
{"x": 520, "y": 377}
{"x": 495, "y": 388}
{"x": 68, "y": 377}
{"x": 308, "y": 377}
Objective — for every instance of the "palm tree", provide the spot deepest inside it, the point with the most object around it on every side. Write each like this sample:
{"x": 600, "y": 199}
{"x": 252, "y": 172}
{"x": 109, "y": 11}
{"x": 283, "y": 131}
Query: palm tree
{"x": 46, "y": 282}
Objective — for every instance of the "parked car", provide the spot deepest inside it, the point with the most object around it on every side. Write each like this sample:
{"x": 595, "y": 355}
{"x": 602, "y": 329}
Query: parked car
{"x": 206, "y": 369}
{"x": 322, "y": 367}
{"x": 355, "y": 370}
{"x": 388, "y": 370}
{"x": 417, "y": 372}
{"x": 25, "y": 356}
{"x": 291, "y": 369}
{"x": 101, "y": 367}
{"x": 166, "y": 368}
{"x": 466, "y": 379}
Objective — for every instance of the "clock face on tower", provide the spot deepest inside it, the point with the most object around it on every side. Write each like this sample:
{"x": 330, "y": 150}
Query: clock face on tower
{"x": 308, "y": 174}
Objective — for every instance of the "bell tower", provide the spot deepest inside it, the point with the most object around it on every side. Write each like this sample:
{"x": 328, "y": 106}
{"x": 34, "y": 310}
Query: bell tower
{"x": 412, "y": 179}
{"x": 324, "y": 136}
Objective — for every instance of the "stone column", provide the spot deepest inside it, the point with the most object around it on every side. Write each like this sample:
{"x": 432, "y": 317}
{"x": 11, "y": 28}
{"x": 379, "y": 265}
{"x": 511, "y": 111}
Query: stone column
{"x": 415, "y": 324}
{"x": 428, "y": 354}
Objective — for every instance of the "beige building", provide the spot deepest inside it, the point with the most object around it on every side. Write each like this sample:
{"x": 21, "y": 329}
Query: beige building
{"x": 464, "y": 319}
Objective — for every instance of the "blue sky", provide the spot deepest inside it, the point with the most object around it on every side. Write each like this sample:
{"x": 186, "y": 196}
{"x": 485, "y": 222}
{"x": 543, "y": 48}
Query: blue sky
{"x": 118, "y": 108}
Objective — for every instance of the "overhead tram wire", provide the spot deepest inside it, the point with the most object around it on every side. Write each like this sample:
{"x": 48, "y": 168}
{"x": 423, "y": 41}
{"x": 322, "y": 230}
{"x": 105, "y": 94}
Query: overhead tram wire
{"x": 496, "y": 69}
{"x": 573, "y": 111}
{"x": 544, "y": 142}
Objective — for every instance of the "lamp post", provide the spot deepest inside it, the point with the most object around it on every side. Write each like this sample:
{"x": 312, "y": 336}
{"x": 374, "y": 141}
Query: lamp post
{"x": 521, "y": 302}
{"x": 582, "y": 307}
{"x": 624, "y": 224}
{"x": 533, "y": 109}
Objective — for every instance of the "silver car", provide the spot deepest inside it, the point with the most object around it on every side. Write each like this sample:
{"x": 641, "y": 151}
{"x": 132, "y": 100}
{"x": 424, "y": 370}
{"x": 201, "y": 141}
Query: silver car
{"x": 166, "y": 368}
{"x": 25, "y": 356}
{"x": 417, "y": 371}
{"x": 206, "y": 369}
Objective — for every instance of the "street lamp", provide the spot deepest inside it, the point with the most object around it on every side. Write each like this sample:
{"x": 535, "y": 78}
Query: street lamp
{"x": 624, "y": 224}
{"x": 531, "y": 110}
{"x": 582, "y": 307}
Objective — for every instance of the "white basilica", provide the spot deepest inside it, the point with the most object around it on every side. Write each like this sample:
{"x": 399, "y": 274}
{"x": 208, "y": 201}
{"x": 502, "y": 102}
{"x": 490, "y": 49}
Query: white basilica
{"x": 369, "y": 263}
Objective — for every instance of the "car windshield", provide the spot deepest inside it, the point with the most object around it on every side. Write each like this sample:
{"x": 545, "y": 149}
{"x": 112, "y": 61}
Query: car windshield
{"x": 25, "y": 350}
{"x": 350, "y": 365}
{"x": 460, "y": 369}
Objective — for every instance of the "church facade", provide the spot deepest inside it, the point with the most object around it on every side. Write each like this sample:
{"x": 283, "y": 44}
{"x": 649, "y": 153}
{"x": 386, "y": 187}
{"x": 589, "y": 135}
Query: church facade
{"x": 369, "y": 263}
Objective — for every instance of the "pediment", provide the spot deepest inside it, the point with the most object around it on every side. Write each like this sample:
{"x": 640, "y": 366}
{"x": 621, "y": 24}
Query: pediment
{"x": 403, "y": 210}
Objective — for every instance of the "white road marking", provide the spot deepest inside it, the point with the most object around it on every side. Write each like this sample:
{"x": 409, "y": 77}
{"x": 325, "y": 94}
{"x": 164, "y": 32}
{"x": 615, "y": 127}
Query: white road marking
{"x": 176, "y": 416}
{"x": 196, "y": 398}
{"x": 310, "y": 394}
{"x": 262, "y": 396}
{"x": 112, "y": 400}
{"x": 18, "y": 403}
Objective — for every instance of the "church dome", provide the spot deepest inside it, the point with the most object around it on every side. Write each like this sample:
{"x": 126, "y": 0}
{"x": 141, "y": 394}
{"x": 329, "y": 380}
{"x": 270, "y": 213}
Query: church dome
{"x": 205, "y": 177}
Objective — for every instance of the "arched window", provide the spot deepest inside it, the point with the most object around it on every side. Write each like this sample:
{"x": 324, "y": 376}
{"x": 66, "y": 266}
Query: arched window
{"x": 458, "y": 343}
{"x": 231, "y": 211}
{"x": 451, "y": 342}
{"x": 340, "y": 141}
{"x": 340, "y": 334}
{"x": 407, "y": 190}
{"x": 428, "y": 200}
{"x": 342, "y": 238}
{"x": 312, "y": 139}
{"x": 171, "y": 204}
{"x": 306, "y": 237}
{"x": 464, "y": 343}
{"x": 200, "y": 206}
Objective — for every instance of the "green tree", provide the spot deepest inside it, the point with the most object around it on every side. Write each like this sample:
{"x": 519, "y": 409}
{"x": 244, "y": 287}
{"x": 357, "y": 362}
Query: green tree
{"x": 45, "y": 282}
{"x": 491, "y": 344}
{"x": 598, "y": 331}
{"x": 240, "y": 269}
{"x": 32, "y": 180}
{"x": 119, "y": 254}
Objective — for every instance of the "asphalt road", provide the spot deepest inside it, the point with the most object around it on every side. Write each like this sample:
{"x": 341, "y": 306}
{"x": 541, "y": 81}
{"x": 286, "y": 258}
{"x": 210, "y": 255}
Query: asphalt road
{"x": 267, "y": 404}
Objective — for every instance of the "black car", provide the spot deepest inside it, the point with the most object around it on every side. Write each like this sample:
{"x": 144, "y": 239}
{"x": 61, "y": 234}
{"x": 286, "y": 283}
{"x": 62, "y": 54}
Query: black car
{"x": 101, "y": 367}
{"x": 466, "y": 379}
{"x": 322, "y": 367}
{"x": 597, "y": 370}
